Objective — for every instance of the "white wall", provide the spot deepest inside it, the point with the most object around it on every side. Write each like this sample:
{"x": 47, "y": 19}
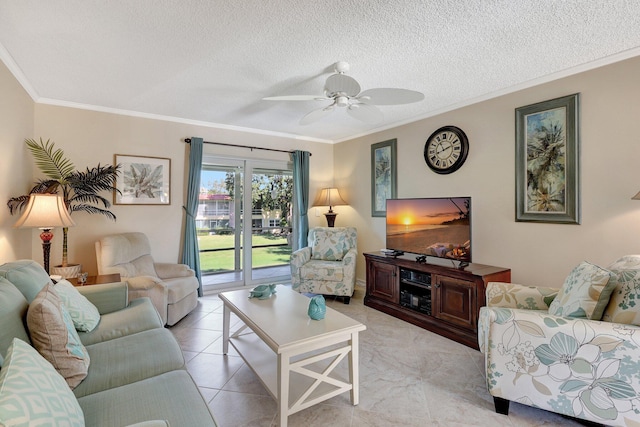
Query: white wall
{"x": 537, "y": 253}
{"x": 16, "y": 124}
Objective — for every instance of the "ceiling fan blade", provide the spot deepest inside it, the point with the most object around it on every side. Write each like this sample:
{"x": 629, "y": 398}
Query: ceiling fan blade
{"x": 389, "y": 96}
{"x": 296, "y": 98}
{"x": 366, "y": 113}
{"x": 341, "y": 83}
{"x": 316, "y": 115}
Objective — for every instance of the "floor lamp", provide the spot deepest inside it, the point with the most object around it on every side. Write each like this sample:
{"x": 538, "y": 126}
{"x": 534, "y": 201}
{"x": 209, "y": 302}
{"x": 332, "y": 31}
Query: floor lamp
{"x": 329, "y": 197}
{"x": 45, "y": 211}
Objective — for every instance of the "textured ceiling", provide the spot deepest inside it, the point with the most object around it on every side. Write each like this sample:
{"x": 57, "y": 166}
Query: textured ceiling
{"x": 214, "y": 60}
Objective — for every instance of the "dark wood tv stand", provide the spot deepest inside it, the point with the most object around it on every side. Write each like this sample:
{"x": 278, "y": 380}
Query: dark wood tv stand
{"x": 443, "y": 299}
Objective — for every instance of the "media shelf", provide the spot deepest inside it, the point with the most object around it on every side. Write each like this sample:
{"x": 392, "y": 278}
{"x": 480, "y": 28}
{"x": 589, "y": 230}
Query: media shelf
{"x": 443, "y": 299}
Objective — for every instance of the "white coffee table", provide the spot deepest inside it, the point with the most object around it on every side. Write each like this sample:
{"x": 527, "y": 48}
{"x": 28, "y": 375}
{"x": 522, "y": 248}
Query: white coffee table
{"x": 294, "y": 357}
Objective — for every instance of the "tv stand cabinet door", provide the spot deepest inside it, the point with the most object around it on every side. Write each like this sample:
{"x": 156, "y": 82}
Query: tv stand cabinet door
{"x": 382, "y": 281}
{"x": 454, "y": 301}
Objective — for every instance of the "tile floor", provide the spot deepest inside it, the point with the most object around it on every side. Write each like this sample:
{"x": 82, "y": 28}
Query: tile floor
{"x": 408, "y": 377}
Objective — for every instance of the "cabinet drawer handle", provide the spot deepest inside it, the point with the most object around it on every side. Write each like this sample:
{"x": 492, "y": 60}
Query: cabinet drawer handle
{"x": 437, "y": 285}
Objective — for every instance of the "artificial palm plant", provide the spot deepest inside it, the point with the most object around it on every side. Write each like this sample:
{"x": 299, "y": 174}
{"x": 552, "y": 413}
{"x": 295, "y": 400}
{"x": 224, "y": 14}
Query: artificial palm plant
{"x": 80, "y": 189}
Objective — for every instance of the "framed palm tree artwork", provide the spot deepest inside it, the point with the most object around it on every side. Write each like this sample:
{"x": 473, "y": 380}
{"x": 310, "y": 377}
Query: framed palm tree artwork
{"x": 548, "y": 161}
{"x": 143, "y": 181}
{"x": 383, "y": 176}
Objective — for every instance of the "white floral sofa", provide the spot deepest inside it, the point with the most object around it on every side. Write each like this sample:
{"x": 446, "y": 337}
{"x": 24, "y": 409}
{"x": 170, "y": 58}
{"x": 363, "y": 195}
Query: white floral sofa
{"x": 545, "y": 348}
{"x": 328, "y": 265}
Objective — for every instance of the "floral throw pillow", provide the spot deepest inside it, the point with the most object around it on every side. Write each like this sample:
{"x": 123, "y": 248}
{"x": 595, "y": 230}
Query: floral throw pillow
{"x": 624, "y": 306}
{"x": 585, "y": 292}
{"x": 329, "y": 246}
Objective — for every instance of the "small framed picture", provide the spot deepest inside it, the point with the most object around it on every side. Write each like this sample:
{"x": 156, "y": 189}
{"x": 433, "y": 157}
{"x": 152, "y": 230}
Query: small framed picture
{"x": 143, "y": 180}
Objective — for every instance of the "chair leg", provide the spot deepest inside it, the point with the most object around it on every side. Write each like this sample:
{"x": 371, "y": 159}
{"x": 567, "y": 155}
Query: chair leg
{"x": 346, "y": 300}
{"x": 502, "y": 405}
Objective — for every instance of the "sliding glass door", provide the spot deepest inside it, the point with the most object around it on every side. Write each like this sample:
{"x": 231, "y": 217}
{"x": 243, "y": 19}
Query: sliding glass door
{"x": 241, "y": 246}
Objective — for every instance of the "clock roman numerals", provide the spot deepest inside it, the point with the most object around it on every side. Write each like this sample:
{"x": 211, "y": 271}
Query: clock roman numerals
{"x": 446, "y": 149}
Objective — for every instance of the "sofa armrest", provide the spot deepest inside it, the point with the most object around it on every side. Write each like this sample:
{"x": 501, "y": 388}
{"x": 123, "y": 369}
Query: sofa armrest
{"x": 108, "y": 297}
{"x": 166, "y": 270}
{"x": 577, "y": 367}
{"x": 511, "y": 295}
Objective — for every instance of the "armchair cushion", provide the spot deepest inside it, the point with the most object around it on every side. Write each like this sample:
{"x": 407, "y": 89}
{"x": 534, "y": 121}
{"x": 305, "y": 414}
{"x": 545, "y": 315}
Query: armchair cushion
{"x": 322, "y": 270}
{"x": 33, "y": 393}
{"x": 328, "y": 245}
{"x": 54, "y": 336}
{"x": 85, "y": 315}
{"x": 624, "y": 305}
{"x": 585, "y": 293}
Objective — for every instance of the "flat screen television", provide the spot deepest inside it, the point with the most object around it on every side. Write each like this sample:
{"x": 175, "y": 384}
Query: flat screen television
{"x": 437, "y": 227}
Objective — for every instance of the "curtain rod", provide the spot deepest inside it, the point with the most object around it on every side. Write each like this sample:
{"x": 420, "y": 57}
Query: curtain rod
{"x": 188, "y": 141}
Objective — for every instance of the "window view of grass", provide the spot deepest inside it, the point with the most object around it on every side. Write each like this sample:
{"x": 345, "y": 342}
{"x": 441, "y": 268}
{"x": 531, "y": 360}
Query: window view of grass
{"x": 224, "y": 260}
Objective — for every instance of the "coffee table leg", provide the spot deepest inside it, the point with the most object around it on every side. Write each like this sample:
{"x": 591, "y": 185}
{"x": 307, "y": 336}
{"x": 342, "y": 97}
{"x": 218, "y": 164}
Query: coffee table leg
{"x": 226, "y": 320}
{"x": 283, "y": 389}
{"x": 354, "y": 370}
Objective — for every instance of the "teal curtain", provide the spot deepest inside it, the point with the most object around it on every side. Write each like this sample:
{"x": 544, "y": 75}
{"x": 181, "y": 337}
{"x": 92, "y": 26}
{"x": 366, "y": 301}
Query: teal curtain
{"x": 301, "y": 196}
{"x": 190, "y": 251}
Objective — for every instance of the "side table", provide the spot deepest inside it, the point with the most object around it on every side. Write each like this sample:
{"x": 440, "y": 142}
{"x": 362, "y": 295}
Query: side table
{"x": 97, "y": 280}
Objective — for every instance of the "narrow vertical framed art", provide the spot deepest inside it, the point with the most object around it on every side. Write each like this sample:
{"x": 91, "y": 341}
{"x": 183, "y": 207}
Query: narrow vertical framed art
{"x": 383, "y": 176}
{"x": 548, "y": 161}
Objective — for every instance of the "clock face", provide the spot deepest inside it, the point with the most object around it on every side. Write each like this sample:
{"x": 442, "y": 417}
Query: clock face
{"x": 446, "y": 149}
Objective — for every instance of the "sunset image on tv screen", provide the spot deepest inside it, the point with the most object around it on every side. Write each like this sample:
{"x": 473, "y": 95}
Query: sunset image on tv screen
{"x": 438, "y": 227}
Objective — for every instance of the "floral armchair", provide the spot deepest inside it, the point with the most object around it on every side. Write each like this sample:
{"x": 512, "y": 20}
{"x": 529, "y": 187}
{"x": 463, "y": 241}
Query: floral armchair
{"x": 575, "y": 366}
{"x": 328, "y": 265}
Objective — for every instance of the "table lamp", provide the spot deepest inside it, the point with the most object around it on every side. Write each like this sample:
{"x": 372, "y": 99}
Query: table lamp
{"x": 45, "y": 211}
{"x": 329, "y": 197}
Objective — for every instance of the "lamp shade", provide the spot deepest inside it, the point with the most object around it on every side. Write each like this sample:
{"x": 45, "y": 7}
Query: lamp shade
{"x": 329, "y": 197}
{"x": 45, "y": 211}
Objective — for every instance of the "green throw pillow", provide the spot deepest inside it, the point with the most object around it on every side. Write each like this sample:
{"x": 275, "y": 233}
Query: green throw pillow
{"x": 85, "y": 315}
{"x": 585, "y": 293}
{"x": 33, "y": 393}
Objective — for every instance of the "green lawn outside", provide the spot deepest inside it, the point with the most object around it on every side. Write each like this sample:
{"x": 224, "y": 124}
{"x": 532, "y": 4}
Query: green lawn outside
{"x": 224, "y": 260}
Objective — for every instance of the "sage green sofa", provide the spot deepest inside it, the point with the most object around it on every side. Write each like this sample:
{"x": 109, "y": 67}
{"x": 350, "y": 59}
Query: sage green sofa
{"x": 137, "y": 373}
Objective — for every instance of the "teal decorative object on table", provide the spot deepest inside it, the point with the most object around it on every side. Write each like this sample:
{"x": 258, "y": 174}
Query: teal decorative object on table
{"x": 262, "y": 291}
{"x": 317, "y": 307}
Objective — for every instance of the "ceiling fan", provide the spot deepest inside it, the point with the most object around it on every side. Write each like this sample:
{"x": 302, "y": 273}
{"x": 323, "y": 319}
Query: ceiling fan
{"x": 344, "y": 91}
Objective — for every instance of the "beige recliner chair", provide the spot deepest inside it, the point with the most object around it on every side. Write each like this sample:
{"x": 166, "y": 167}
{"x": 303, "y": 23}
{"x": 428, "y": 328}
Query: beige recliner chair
{"x": 173, "y": 288}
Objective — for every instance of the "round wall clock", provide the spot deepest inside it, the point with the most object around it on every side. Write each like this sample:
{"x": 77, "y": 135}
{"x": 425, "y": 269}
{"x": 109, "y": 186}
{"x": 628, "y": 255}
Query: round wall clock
{"x": 446, "y": 149}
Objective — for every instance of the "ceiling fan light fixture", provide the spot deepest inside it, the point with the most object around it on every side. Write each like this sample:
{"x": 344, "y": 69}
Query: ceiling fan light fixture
{"x": 345, "y": 91}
